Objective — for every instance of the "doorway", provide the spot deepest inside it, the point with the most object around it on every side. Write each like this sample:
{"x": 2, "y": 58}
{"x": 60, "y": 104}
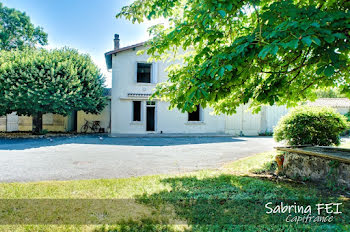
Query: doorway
{"x": 150, "y": 115}
{"x": 72, "y": 121}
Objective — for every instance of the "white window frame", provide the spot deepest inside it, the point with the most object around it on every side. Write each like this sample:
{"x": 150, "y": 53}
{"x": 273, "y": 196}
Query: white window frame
{"x": 154, "y": 73}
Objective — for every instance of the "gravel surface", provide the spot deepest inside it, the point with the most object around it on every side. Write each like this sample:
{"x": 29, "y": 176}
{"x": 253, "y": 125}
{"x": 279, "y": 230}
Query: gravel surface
{"x": 93, "y": 157}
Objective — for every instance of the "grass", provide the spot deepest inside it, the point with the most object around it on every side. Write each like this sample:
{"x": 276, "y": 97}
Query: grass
{"x": 230, "y": 199}
{"x": 253, "y": 164}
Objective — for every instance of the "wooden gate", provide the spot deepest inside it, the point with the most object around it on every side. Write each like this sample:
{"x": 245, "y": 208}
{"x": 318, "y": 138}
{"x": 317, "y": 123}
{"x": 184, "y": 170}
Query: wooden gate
{"x": 244, "y": 122}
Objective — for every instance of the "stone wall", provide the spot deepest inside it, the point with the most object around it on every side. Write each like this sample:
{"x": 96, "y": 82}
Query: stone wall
{"x": 319, "y": 169}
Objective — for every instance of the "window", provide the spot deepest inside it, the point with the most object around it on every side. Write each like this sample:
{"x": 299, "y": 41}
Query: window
{"x": 136, "y": 111}
{"x": 195, "y": 115}
{"x": 144, "y": 73}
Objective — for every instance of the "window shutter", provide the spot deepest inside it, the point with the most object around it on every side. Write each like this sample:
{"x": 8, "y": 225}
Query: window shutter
{"x": 154, "y": 72}
{"x": 135, "y": 76}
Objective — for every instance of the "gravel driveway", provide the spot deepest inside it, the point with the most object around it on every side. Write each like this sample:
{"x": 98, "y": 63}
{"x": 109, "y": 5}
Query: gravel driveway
{"x": 93, "y": 157}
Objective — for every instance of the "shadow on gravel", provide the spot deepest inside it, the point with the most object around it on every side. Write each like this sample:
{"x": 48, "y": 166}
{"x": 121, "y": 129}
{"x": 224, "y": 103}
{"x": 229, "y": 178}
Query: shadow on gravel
{"x": 27, "y": 143}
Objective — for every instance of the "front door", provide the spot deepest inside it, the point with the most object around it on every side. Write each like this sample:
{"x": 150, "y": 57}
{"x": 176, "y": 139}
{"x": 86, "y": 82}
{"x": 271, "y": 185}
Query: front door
{"x": 150, "y": 125}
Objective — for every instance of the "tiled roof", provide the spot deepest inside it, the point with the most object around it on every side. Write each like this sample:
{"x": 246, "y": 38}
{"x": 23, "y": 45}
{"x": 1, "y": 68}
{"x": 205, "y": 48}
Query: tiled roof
{"x": 331, "y": 102}
{"x": 125, "y": 48}
{"x": 108, "y": 55}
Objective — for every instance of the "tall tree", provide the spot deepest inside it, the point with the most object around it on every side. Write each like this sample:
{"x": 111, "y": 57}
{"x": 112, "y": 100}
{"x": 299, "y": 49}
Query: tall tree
{"x": 16, "y": 30}
{"x": 37, "y": 81}
{"x": 256, "y": 51}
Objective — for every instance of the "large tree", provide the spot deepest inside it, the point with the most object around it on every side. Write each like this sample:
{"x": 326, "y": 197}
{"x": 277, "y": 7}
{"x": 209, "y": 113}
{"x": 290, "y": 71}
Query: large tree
{"x": 37, "y": 81}
{"x": 16, "y": 30}
{"x": 256, "y": 51}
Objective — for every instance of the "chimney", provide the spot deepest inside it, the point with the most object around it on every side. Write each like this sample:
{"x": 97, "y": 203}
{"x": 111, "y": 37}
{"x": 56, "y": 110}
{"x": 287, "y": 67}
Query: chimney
{"x": 116, "y": 41}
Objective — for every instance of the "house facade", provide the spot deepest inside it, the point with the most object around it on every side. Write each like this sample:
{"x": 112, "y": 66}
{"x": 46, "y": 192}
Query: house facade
{"x": 134, "y": 80}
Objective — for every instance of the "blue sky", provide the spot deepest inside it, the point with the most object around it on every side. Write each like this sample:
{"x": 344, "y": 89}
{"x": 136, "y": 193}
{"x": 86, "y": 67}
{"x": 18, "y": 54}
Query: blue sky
{"x": 87, "y": 25}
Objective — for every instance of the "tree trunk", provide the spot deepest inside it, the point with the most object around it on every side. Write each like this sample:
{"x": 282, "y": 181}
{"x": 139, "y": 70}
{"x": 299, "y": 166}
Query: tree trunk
{"x": 37, "y": 123}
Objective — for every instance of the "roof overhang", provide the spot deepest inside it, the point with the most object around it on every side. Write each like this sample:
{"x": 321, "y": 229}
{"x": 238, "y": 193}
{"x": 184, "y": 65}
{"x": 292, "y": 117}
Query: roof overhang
{"x": 108, "y": 55}
{"x": 137, "y": 96}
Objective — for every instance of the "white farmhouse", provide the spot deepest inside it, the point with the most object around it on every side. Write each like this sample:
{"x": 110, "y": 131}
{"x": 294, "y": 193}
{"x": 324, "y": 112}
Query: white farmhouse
{"x": 133, "y": 81}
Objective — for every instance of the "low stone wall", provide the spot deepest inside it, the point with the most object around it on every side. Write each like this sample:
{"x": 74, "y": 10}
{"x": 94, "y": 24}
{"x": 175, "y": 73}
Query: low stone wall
{"x": 329, "y": 169}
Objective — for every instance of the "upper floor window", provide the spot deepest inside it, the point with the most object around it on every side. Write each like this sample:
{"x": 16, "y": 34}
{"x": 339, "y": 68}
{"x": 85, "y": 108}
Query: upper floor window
{"x": 144, "y": 72}
{"x": 195, "y": 115}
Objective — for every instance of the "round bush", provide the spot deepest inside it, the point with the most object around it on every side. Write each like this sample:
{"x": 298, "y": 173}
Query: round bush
{"x": 311, "y": 125}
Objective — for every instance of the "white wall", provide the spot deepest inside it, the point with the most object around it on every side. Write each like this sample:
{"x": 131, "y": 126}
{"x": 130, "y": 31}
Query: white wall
{"x": 244, "y": 122}
{"x": 273, "y": 115}
{"x": 343, "y": 110}
{"x": 249, "y": 124}
{"x": 124, "y": 70}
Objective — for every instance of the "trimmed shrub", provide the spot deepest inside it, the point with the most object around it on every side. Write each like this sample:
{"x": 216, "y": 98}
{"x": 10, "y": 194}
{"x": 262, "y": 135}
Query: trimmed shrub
{"x": 347, "y": 132}
{"x": 311, "y": 125}
{"x": 347, "y": 115}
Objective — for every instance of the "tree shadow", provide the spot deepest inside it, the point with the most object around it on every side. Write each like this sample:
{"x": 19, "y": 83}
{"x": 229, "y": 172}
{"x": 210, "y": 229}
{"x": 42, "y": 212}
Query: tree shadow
{"x": 27, "y": 143}
{"x": 228, "y": 202}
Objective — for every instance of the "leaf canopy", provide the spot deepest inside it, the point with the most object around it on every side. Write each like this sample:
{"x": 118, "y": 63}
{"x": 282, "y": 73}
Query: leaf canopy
{"x": 57, "y": 81}
{"x": 261, "y": 52}
{"x": 16, "y": 30}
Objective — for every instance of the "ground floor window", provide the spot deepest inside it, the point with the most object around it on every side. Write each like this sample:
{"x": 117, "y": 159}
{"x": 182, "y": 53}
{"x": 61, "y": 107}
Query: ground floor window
{"x": 136, "y": 111}
{"x": 195, "y": 115}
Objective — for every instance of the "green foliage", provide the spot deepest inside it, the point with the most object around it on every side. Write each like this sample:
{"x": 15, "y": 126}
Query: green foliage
{"x": 333, "y": 175}
{"x": 311, "y": 125}
{"x": 262, "y": 52}
{"x": 329, "y": 93}
{"x": 56, "y": 81}
{"x": 268, "y": 168}
{"x": 347, "y": 115}
{"x": 266, "y": 133}
{"x": 16, "y": 30}
{"x": 43, "y": 132}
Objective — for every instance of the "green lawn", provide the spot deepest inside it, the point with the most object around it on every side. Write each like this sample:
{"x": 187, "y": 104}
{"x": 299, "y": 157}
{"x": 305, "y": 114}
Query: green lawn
{"x": 230, "y": 199}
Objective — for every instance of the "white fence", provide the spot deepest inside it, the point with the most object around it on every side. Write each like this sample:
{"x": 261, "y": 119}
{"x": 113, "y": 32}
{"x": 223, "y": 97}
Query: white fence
{"x": 244, "y": 122}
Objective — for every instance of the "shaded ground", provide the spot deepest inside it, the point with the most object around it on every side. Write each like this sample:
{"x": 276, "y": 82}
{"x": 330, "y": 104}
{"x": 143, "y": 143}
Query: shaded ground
{"x": 91, "y": 157}
{"x": 207, "y": 200}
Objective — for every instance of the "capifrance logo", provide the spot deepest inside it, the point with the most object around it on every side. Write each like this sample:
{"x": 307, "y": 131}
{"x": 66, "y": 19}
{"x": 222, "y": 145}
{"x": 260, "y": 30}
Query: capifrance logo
{"x": 318, "y": 213}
